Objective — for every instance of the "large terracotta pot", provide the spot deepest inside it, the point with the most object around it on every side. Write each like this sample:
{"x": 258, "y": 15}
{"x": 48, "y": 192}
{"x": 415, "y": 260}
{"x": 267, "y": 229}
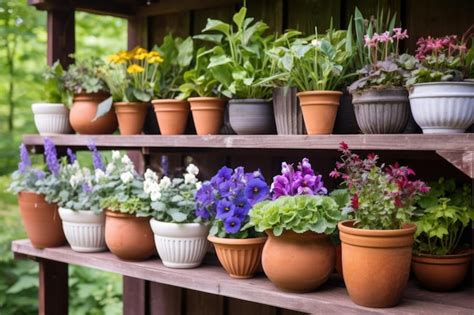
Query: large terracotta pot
{"x": 441, "y": 273}
{"x": 208, "y": 114}
{"x": 128, "y": 237}
{"x": 319, "y": 110}
{"x": 298, "y": 262}
{"x": 41, "y": 220}
{"x": 376, "y": 263}
{"x": 131, "y": 117}
{"x": 239, "y": 257}
{"x": 83, "y": 111}
{"x": 172, "y": 116}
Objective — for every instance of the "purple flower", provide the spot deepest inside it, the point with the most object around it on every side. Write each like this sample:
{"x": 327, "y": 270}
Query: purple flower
{"x": 39, "y": 174}
{"x": 242, "y": 205}
{"x": 25, "y": 161}
{"x": 232, "y": 225}
{"x": 222, "y": 175}
{"x": 280, "y": 187}
{"x": 86, "y": 188}
{"x": 51, "y": 157}
{"x": 201, "y": 212}
{"x": 165, "y": 165}
{"x": 225, "y": 189}
{"x": 256, "y": 190}
{"x": 225, "y": 209}
{"x": 305, "y": 167}
{"x": 96, "y": 157}
{"x": 205, "y": 194}
{"x": 254, "y": 174}
{"x": 71, "y": 155}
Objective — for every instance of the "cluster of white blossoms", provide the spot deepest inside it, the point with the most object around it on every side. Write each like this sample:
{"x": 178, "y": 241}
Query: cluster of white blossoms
{"x": 78, "y": 175}
{"x": 190, "y": 176}
{"x": 151, "y": 186}
{"x": 120, "y": 165}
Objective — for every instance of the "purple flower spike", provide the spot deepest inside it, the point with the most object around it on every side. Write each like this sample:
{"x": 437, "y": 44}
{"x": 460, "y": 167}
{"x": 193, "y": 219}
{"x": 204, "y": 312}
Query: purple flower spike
{"x": 72, "y": 157}
{"x": 25, "y": 161}
{"x": 232, "y": 225}
{"x": 39, "y": 174}
{"x": 96, "y": 157}
{"x": 305, "y": 167}
{"x": 51, "y": 157}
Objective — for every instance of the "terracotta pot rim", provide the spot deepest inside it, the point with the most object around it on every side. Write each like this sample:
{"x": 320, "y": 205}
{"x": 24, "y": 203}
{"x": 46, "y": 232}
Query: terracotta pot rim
{"x": 206, "y": 98}
{"x": 89, "y": 96}
{"x": 131, "y": 103}
{"x": 293, "y": 234}
{"x": 421, "y": 257}
{"x": 234, "y": 241}
{"x": 115, "y": 214}
{"x": 309, "y": 93}
{"x": 346, "y": 227}
{"x": 168, "y": 100}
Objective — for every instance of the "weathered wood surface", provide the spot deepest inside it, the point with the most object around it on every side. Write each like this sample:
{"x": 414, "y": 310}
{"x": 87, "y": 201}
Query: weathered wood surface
{"x": 331, "y": 298}
{"x": 53, "y": 287}
{"x": 134, "y": 296}
{"x": 164, "y": 7}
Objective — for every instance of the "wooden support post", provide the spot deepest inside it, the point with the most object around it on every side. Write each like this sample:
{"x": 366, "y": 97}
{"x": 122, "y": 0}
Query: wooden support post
{"x": 137, "y": 32}
{"x": 53, "y": 287}
{"x": 61, "y": 36}
{"x": 134, "y": 296}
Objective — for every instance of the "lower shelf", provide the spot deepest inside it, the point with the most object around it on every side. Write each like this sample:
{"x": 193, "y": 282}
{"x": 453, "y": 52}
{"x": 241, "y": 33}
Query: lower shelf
{"x": 330, "y": 298}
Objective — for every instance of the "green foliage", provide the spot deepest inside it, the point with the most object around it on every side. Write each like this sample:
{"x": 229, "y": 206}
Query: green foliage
{"x": 54, "y": 85}
{"x": 83, "y": 76}
{"x": 199, "y": 81}
{"x": 300, "y": 214}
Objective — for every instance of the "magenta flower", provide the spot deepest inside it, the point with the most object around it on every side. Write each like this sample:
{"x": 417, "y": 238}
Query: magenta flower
{"x": 399, "y": 33}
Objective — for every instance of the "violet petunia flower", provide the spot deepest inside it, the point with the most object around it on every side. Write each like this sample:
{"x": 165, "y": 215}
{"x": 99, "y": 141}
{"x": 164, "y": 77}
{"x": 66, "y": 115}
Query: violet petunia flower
{"x": 232, "y": 225}
{"x": 222, "y": 175}
{"x": 256, "y": 190}
{"x": 25, "y": 161}
{"x": 51, "y": 157}
{"x": 225, "y": 209}
{"x": 201, "y": 212}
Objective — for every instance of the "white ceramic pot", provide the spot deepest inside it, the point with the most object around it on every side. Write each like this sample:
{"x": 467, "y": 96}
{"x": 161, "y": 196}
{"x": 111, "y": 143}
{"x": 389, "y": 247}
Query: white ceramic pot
{"x": 180, "y": 245}
{"x": 443, "y": 107}
{"x": 51, "y": 118}
{"x": 84, "y": 230}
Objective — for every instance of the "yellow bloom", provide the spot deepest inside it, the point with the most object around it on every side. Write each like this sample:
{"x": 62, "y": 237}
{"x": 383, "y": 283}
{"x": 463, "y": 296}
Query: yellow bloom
{"x": 155, "y": 59}
{"x": 140, "y": 56}
{"x": 118, "y": 58}
{"x": 134, "y": 68}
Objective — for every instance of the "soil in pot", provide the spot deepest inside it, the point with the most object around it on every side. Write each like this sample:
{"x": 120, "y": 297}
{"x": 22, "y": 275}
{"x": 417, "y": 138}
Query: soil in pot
{"x": 83, "y": 112}
{"x": 172, "y": 115}
{"x": 239, "y": 257}
{"x": 298, "y": 262}
{"x": 376, "y": 263}
{"x": 319, "y": 110}
{"x": 41, "y": 220}
{"x": 51, "y": 118}
{"x": 128, "y": 237}
{"x": 251, "y": 116}
{"x": 288, "y": 116}
{"x": 131, "y": 117}
{"x": 208, "y": 114}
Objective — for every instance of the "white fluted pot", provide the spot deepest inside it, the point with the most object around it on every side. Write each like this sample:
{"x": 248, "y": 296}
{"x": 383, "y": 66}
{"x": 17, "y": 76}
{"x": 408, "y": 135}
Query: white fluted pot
{"x": 51, "y": 118}
{"x": 443, "y": 107}
{"x": 180, "y": 245}
{"x": 84, "y": 230}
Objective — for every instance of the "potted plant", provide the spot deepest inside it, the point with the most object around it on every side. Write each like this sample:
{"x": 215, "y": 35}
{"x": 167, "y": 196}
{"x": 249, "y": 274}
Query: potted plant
{"x": 440, "y": 262}
{"x": 226, "y": 200}
{"x": 52, "y": 116}
{"x": 180, "y": 236}
{"x": 89, "y": 90}
{"x": 127, "y": 232}
{"x": 238, "y": 61}
{"x": 441, "y": 94}
{"x": 379, "y": 238}
{"x": 171, "y": 113}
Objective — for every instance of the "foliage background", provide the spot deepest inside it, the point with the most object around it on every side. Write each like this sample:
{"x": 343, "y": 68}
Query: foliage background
{"x": 22, "y": 60}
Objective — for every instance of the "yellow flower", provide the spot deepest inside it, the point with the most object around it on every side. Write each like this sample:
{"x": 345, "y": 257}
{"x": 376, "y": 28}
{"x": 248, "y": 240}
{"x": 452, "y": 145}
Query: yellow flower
{"x": 140, "y": 56}
{"x": 155, "y": 59}
{"x": 134, "y": 68}
{"x": 118, "y": 58}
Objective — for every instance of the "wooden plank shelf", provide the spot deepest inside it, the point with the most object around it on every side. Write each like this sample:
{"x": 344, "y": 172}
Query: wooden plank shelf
{"x": 331, "y": 298}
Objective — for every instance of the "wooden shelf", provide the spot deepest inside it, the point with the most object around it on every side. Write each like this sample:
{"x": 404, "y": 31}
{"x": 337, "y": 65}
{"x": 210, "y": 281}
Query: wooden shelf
{"x": 331, "y": 298}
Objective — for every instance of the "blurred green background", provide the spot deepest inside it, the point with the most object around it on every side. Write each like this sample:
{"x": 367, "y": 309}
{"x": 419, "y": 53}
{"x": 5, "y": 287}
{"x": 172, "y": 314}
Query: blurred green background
{"x": 22, "y": 61}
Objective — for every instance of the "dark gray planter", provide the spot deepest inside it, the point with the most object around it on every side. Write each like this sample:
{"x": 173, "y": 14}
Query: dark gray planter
{"x": 382, "y": 111}
{"x": 288, "y": 116}
{"x": 251, "y": 116}
{"x": 346, "y": 122}
{"x": 226, "y": 128}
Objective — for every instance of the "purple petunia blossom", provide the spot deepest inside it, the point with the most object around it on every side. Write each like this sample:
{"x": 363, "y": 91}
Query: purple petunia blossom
{"x": 51, "y": 157}
{"x": 72, "y": 157}
{"x": 222, "y": 175}
{"x": 225, "y": 189}
{"x": 205, "y": 194}
{"x": 225, "y": 209}
{"x": 201, "y": 212}
{"x": 25, "y": 161}
{"x": 96, "y": 157}
{"x": 242, "y": 205}
{"x": 232, "y": 225}
{"x": 256, "y": 190}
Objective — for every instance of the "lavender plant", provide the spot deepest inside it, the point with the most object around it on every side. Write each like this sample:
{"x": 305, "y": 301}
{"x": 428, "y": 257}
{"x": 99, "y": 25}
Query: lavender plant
{"x": 26, "y": 177}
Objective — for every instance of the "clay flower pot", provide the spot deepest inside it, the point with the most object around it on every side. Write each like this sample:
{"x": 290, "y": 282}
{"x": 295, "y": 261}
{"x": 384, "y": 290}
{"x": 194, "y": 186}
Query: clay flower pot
{"x": 131, "y": 117}
{"x": 298, "y": 262}
{"x": 251, "y": 116}
{"x": 51, "y": 118}
{"x": 208, "y": 114}
{"x": 376, "y": 263}
{"x": 128, "y": 237}
{"x": 441, "y": 273}
{"x": 239, "y": 257}
{"x": 172, "y": 115}
{"x": 319, "y": 110}
{"x": 41, "y": 220}
{"x": 83, "y": 111}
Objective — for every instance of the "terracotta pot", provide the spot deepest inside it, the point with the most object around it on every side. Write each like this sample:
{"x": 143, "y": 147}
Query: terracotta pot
{"x": 41, "y": 220}
{"x": 319, "y": 110}
{"x": 298, "y": 262}
{"x": 251, "y": 116}
{"x": 129, "y": 237}
{"x": 131, "y": 117}
{"x": 441, "y": 273}
{"x": 208, "y": 114}
{"x": 172, "y": 116}
{"x": 288, "y": 116}
{"x": 239, "y": 257}
{"x": 376, "y": 263}
{"x": 83, "y": 111}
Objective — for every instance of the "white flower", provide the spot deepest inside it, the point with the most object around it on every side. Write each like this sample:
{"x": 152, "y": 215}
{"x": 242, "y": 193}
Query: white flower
{"x": 190, "y": 179}
{"x": 165, "y": 183}
{"x": 115, "y": 155}
{"x": 192, "y": 169}
{"x": 126, "y": 177}
{"x": 151, "y": 176}
{"x": 76, "y": 179}
{"x": 155, "y": 195}
{"x": 99, "y": 174}
{"x": 126, "y": 160}
{"x": 149, "y": 187}
{"x": 316, "y": 43}
{"x": 110, "y": 168}
{"x": 198, "y": 185}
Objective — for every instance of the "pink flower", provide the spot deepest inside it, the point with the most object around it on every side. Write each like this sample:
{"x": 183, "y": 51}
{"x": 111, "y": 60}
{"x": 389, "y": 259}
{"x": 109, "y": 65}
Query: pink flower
{"x": 334, "y": 174}
{"x": 385, "y": 37}
{"x": 355, "y": 202}
{"x": 399, "y": 33}
{"x": 369, "y": 42}
{"x": 343, "y": 146}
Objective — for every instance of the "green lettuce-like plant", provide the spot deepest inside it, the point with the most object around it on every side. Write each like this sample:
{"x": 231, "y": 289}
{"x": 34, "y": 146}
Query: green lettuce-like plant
{"x": 84, "y": 77}
{"x": 319, "y": 214}
{"x": 54, "y": 89}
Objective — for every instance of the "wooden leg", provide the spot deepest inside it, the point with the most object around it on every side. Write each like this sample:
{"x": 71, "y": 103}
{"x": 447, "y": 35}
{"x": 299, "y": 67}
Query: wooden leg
{"x": 53, "y": 287}
{"x": 134, "y": 296}
{"x": 165, "y": 299}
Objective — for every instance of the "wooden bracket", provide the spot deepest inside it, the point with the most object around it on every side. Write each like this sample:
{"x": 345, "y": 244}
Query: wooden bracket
{"x": 463, "y": 160}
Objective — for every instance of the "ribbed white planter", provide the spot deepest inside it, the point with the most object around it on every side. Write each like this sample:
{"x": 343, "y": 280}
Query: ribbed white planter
{"x": 51, "y": 118}
{"x": 84, "y": 230}
{"x": 180, "y": 245}
{"x": 443, "y": 107}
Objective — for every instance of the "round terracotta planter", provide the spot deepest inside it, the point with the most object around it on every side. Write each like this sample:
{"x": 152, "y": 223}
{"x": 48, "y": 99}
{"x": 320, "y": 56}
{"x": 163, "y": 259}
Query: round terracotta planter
{"x": 298, "y": 262}
{"x": 376, "y": 263}
{"x": 41, "y": 220}
{"x": 172, "y": 115}
{"x": 239, "y": 257}
{"x": 83, "y": 111}
{"x": 319, "y": 110}
{"x": 131, "y": 117}
{"x": 208, "y": 114}
{"x": 441, "y": 273}
{"x": 129, "y": 237}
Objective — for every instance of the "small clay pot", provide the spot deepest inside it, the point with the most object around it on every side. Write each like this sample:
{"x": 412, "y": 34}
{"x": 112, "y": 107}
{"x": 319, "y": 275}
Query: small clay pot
{"x": 172, "y": 115}
{"x": 441, "y": 273}
{"x": 129, "y": 237}
{"x": 239, "y": 257}
{"x": 319, "y": 110}
{"x": 83, "y": 111}
{"x": 41, "y": 220}
{"x": 298, "y": 262}
{"x": 208, "y": 114}
{"x": 131, "y": 117}
{"x": 376, "y": 263}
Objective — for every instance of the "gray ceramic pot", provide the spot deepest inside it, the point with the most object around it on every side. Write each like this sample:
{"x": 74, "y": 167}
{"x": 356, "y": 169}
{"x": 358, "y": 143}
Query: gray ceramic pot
{"x": 251, "y": 116}
{"x": 381, "y": 111}
{"x": 288, "y": 116}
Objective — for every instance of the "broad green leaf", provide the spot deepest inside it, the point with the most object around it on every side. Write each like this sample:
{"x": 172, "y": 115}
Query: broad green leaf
{"x": 216, "y": 25}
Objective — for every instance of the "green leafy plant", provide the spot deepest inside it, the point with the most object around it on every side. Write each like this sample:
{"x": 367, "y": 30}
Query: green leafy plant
{"x": 83, "y": 77}
{"x": 199, "y": 81}
{"x": 54, "y": 89}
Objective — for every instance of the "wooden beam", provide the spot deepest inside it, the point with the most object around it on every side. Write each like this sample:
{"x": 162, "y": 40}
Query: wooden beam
{"x": 53, "y": 288}
{"x": 137, "y": 32}
{"x": 463, "y": 160}
{"x": 172, "y": 6}
{"x": 61, "y": 36}
{"x": 110, "y": 7}
{"x": 134, "y": 296}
